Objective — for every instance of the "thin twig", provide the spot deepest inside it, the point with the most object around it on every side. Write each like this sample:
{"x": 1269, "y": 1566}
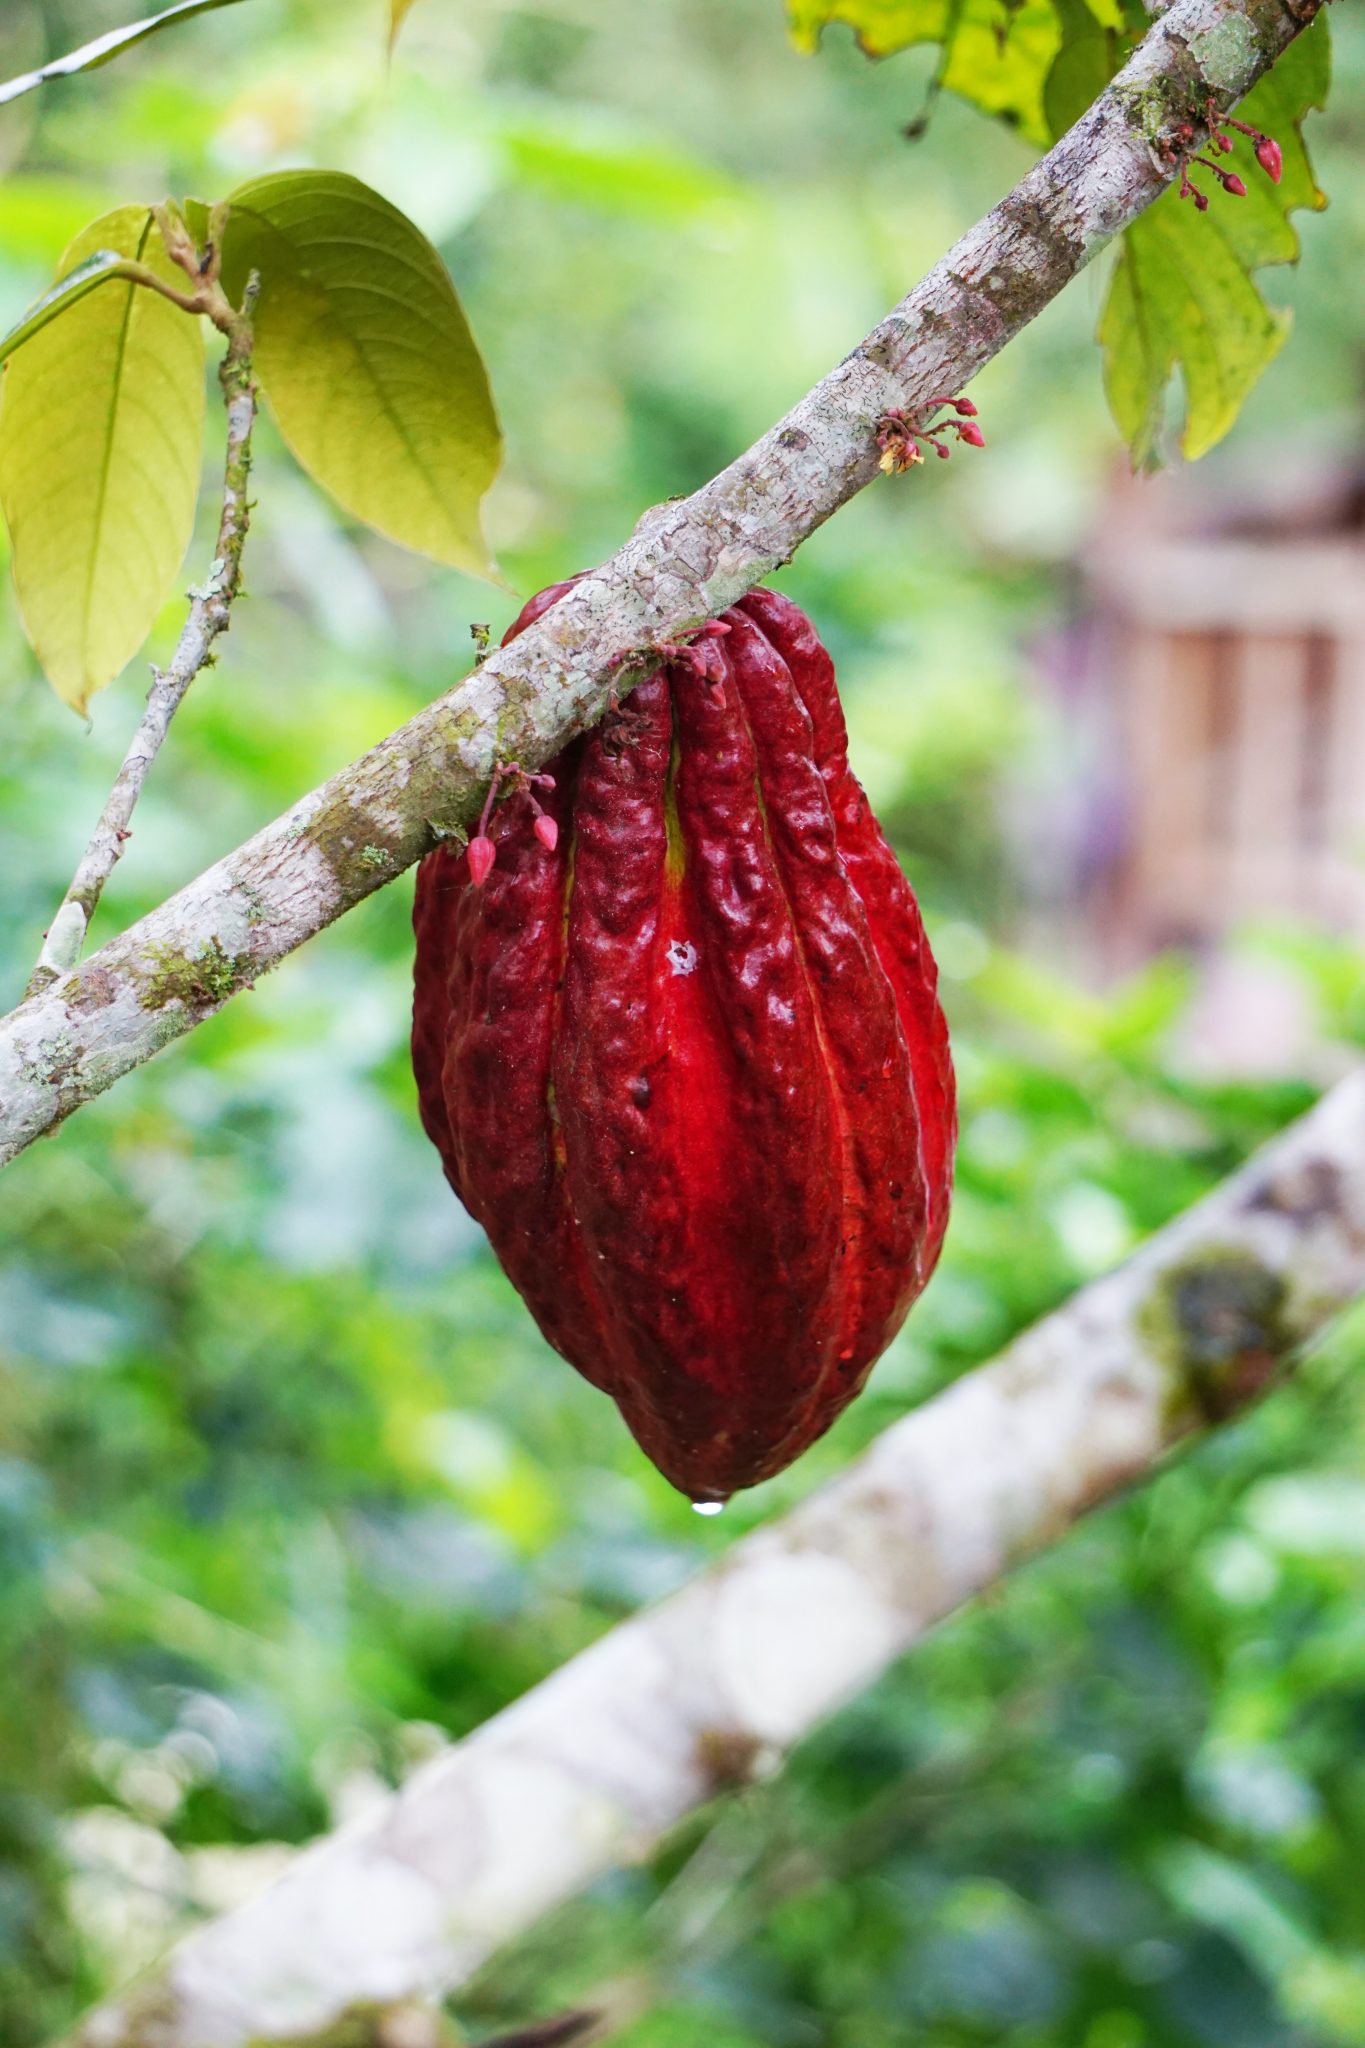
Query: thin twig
{"x": 210, "y": 610}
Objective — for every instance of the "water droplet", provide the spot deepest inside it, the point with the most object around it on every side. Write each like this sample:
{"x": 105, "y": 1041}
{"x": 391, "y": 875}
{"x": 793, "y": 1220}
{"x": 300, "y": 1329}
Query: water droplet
{"x": 707, "y": 1507}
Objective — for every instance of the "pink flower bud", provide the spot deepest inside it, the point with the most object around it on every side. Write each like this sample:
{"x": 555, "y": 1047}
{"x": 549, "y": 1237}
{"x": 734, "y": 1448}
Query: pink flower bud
{"x": 547, "y": 832}
{"x": 1201, "y": 199}
{"x": 1232, "y": 183}
{"x": 481, "y": 854}
{"x": 965, "y": 407}
{"x": 942, "y": 448}
{"x": 1270, "y": 157}
{"x": 973, "y": 435}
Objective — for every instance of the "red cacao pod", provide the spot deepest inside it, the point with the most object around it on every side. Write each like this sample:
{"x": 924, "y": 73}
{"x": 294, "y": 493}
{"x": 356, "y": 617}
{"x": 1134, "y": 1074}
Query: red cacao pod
{"x": 687, "y": 1066}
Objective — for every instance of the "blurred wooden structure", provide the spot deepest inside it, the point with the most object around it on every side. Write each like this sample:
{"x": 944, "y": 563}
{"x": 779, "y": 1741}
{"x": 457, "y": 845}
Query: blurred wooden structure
{"x": 1231, "y": 646}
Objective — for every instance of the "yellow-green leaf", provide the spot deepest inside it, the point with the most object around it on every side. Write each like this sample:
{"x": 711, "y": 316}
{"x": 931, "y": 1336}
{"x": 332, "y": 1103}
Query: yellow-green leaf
{"x": 1180, "y": 297}
{"x": 399, "y": 10}
{"x": 101, "y": 440}
{"x": 196, "y": 214}
{"x": 97, "y": 269}
{"x": 1183, "y": 294}
{"x": 997, "y": 58}
{"x": 366, "y": 358}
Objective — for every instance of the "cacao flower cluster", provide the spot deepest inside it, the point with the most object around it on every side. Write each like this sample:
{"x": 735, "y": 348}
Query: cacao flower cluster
{"x": 1267, "y": 151}
{"x": 683, "y": 1058}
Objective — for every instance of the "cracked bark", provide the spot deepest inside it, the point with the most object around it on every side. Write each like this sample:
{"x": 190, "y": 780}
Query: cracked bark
{"x": 686, "y": 562}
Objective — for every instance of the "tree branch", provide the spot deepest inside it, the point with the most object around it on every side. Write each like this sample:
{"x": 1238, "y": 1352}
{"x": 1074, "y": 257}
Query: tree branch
{"x": 210, "y": 614}
{"x": 710, "y": 1688}
{"x": 685, "y": 563}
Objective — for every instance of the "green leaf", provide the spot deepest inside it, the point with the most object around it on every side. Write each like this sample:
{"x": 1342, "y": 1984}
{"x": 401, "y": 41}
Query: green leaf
{"x": 97, "y": 269}
{"x": 1181, "y": 298}
{"x": 1091, "y": 52}
{"x": 1183, "y": 295}
{"x": 101, "y": 436}
{"x": 995, "y": 57}
{"x": 106, "y": 46}
{"x": 196, "y": 214}
{"x": 366, "y": 358}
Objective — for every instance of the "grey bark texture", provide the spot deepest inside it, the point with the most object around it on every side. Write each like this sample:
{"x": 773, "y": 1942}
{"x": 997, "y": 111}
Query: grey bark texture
{"x": 687, "y": 561}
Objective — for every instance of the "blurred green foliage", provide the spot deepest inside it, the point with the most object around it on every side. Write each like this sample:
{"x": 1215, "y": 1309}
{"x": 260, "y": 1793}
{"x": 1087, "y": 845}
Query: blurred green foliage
{"x": 289, "y": 1487}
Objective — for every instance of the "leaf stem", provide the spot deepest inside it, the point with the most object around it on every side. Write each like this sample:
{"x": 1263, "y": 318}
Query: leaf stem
{"x": 210, "y": 614}
{"x": 104, "y": 47}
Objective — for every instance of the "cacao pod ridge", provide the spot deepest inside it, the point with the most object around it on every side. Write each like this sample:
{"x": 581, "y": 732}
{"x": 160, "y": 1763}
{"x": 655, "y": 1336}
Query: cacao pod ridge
{"x": 688, "y": 1067}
